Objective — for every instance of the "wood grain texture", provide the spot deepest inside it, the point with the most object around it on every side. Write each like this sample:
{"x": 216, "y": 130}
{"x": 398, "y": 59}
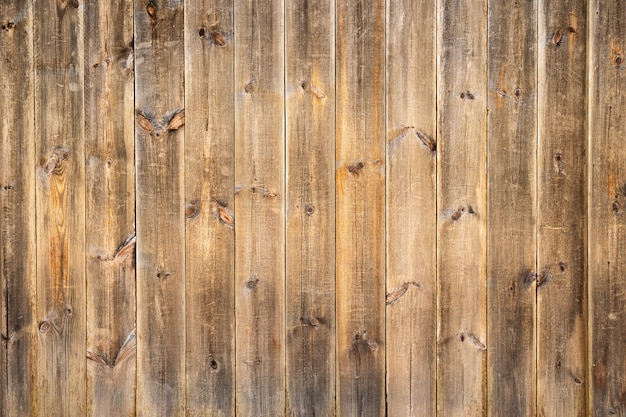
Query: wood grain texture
{"x": 411, "y": 300}
{"x": 461, "y": 208}
{"x": 60, "y": 214}
{"x": 561, "y": 215}
{"x": 17, "y": 198}
{"x": 511, "y": 207}
{"x": 210, "y": 198}
{"x": 110, "y": 208}
{"x": 607, "y": 199}
{"x": 259, "y": 208}
{"x": 160, "y": 217}
{"x": 310, "y": 212}
{"x": 360, "y": 199}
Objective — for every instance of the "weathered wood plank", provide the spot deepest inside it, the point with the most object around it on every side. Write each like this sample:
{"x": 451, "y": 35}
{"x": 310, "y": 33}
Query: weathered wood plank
{"x": 411, "y": 226}
{"x": 462, "y": 208}
{"x": 17, "y": 199}
{"x": 607, "y": 199}
{"x": 210, "y": 184}
{"x": 561, "y": 213}
{"x": 310, "y": 215}
{"x": 360, "y": 200}
{"x": 511, "y": 207}
{"x": 259, "y": 208}
{"x": 160, "y": 217}
{"x": 60, "y": 215}
{"x": 110, "y": 208}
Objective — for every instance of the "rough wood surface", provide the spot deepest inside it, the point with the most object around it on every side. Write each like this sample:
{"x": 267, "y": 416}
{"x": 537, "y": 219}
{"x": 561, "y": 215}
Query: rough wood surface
{"x": 18, "y": 322}
{"x": 259, "y": 208}
{"x": 411, "y": 298}
{"x": 511, "y": 238}
{"x": 310, "y": 208}
{"x": 110, "y": 208}
{"x": 210, "y": 199}
{"x": 360, "y": 199}
{"x": 561, "y": 213}
{"x": 462, "y": 208}
{"x": 160, "y": 217}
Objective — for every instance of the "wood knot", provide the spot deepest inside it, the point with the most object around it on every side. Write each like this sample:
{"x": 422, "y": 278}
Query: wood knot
{"x": 556, "y": 38}
{"x": 56, "y": 161}
{"x": 252, "y": 283}
{"x": 8, "y": 26}
{"x": 309, "y": 209}
{"x": 250, "y": 86}
{"x": 467, "y": 95}
{"x": 151, "y": 9}
{"x": 217, "y": 37}
{"x": 44, "y": 327}
{"x": 192, "y": 209}
{"x": 177, "y": 120}
{"x": 225, "y": 216}
{"x": 162, "y": 274}
{"x": 426, "y": 140}
{"x": 356, "y": 167}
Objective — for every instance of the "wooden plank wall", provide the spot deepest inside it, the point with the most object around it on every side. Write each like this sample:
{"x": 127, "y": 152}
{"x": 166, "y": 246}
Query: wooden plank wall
{"x": 312, "y": 208}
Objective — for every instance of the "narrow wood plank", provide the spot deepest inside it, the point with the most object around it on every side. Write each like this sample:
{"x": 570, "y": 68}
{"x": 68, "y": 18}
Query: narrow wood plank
{"x": 462, "y": 208}
{"x": 60, "y": 215}
{"x": 159, "y": 144}
{"x": 411, "y": 226}
{"x": 17, "y": 199}
{"x": 561, "y": 213}
{"x": 210, "y": 184}
{"x": 110, "y": 208}
{"x": 607, "y": 199}
{"x": 511, "y": 207}
{"x": 259, "y": 207}
{"x": 310, "y": 253}
{"x": 360, "y": 199}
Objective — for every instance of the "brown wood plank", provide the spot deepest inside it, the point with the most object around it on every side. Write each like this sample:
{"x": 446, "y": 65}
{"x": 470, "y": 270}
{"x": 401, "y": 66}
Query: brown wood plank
{"x": 60, "y": 215}
{"x": 310, "y": 249}
{"x": 561, "y": 213}
{"x": 17, "y": 198}
{"x": 210, "y": 184}
{"x": 462, "y": 208}
{"x": 160, "y": 217}
{"x": 259, "y": 208}
{"x": 360, "y": 200}
{"x": 110, "y": 208}
{"x": 411, "y": 226}
{"x": 607, "y": 199}
{"x": 511, "y": 207}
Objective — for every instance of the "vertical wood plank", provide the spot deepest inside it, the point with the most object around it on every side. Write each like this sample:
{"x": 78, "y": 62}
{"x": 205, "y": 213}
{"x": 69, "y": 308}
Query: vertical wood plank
{"x": 17, "y": 200}
{"x": 159, "y": 144}
{"x": 607, "y": 199}
{"x": 209, "y": 188}
{"x": 110, "y": 208}
{"x": 462, "y": 208}
{"x": 561, "y": 215}
{"x": 310, "y": 211}
{"x": 410, "y": 208}
{"x": 259, "y": 207}
{"x": 60, "y": 214}
{"x": 511, "y": 206}
{"x": 360, "y": 196}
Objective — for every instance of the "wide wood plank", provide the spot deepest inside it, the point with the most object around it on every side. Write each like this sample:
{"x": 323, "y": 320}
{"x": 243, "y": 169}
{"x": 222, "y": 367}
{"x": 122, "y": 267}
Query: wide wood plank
{"x": 607, "y": 199}
{"x": 360, "y": 199}
{"x": 259, "y": 208}
{"x": 110, "y": 208}
{"x": 462, "y": 208}
{"x": 511, "y": 207}
{"x": 160, "y": 207}
{"x": 17, "y": 199}
{"x": 411, "y": 300}
{"x": 310, "y": 212}
{"x": 209, "y": 189}
{"x": 561, "y": 213}
{"x": 60, "y": 215}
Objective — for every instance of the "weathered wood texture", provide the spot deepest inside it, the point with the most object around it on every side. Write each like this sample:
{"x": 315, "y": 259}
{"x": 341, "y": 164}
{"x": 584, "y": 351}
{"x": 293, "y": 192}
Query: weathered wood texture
{"x": 18, "y": 329}
{"x": 462, "y": 208}
{"x": 210, "y": 198}
{"x": 160, "y": 212}
{"x": 411, "y": 299}
{"x": 561, "y": 212}
{"x": 310, "y": 207}
{"x": 511, "y": 208}
{"x": 607, "y": 196}
{"x": 259, "y": 207}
